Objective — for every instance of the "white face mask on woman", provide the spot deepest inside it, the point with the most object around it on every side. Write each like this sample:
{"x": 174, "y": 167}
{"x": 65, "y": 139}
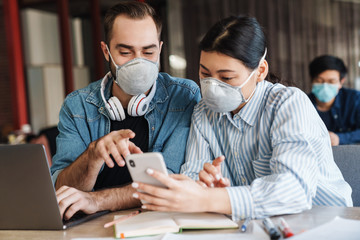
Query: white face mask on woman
{"x": 223, "y": 97}
{"x": 136, "y": 76}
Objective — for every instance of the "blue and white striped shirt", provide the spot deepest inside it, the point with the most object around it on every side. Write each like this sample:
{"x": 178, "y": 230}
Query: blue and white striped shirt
{"x": 277, "y": 150}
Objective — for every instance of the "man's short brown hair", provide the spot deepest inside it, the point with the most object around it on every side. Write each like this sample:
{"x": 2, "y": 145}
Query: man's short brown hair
{"x": 133, "y": 10}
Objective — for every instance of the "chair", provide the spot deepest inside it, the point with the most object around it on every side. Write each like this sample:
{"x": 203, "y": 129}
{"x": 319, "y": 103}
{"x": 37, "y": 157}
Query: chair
{"x": 347, "y": 157}
{"x": 47, "y": 137}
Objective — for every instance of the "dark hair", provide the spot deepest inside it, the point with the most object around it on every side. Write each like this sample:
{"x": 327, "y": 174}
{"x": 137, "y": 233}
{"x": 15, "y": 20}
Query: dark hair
{"x": 133, "y": 10}
{"x": 327, "y": 62}
{"x": 239, "y": 37}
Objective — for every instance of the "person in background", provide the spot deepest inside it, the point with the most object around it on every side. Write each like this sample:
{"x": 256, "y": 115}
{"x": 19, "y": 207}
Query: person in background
{"x": 337, "y": 106}
{"x": 47, "y": 137}
{"x": 133, "y": 109}
{"x": 257, "y": 148}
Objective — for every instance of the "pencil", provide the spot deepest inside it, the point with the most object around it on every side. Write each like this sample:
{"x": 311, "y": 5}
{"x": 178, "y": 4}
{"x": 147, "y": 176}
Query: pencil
{"x": 122, "y": 218}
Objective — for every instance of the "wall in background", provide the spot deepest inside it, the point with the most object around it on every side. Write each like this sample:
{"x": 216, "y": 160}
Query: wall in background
{"x": 176, "y": 58}
{"x": 45, "y": 80}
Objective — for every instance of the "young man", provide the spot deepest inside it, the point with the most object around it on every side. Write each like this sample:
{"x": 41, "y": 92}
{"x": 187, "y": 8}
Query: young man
{"x": 338, "y": 107}
{"x": 133, "y": 109}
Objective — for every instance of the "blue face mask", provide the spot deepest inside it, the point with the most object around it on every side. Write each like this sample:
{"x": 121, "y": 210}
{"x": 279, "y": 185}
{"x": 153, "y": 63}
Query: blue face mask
{"x": 324, "y": 92}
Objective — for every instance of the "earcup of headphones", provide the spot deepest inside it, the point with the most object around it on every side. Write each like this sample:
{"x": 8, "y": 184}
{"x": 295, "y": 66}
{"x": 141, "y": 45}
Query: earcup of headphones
{"x": 118, "y": 110}
{"x": 110, "y": 111}
{"x": 138, "y": 105}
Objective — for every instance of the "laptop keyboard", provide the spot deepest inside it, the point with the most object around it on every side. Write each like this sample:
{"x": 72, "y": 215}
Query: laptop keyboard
{"x": 81, "y": 217}
{"x": 78, "y": 215}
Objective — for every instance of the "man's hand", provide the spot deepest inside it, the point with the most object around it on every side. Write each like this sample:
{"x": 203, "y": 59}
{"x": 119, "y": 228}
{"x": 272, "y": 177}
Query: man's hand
{"x": 211, "y": 174}
{"x": 117, "y": 144}
{"x": 83, "y": 172}
{"x": 334, "y": 138}
{"x": 71, "y": 200}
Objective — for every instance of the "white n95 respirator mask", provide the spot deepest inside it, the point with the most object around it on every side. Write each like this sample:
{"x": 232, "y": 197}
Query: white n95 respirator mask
{"x": 223, "y": 97}
{"x": 136, "y": 76}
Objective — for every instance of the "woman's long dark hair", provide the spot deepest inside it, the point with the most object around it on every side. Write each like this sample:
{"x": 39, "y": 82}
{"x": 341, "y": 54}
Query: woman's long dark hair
{"x": 239, "y": 37}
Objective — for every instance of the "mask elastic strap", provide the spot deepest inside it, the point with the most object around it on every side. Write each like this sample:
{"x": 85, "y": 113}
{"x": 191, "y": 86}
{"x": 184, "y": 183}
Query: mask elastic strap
{"x": 111, "y": 56}
{"x": 243, "y": 84}
{"x": 262, "y": 59}
{"x": 250, "y": 95}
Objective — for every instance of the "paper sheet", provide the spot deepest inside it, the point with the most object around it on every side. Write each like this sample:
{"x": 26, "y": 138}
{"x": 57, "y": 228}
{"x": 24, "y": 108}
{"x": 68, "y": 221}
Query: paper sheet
{"x": 338, "y": 228}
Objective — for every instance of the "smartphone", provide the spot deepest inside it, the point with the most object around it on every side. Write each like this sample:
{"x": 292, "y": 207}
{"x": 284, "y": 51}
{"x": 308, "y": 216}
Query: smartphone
{"x": 138, "y": 163}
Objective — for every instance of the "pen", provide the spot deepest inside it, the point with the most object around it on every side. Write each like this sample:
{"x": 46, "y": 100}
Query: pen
{"x": 271, "y": 229}
{"x": 285, "y": 229}
{"x": 122, "y": 218}
{"x": 245, "y": 224}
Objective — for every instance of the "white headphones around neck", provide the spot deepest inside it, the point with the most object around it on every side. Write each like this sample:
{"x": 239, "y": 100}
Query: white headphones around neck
{"x": 138, "y": 105}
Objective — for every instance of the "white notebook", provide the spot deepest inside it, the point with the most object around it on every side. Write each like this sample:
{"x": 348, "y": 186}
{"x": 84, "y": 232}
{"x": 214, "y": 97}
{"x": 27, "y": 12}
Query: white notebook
{"x": 153, "y": 223}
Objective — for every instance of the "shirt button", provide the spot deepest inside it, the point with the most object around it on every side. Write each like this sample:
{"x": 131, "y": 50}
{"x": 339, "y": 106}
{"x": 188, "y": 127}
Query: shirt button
{"x": 153, "y": 128}
{"x": 335, "y": 116}
{"x": 243, "y": 180}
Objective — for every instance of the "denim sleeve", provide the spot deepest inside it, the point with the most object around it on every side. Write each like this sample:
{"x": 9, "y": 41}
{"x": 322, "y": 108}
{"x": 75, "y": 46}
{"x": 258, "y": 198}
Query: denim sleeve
{"x": 69, "y": 144}
{"x": 349, "y": 137}
{"x": 174, "y": 147}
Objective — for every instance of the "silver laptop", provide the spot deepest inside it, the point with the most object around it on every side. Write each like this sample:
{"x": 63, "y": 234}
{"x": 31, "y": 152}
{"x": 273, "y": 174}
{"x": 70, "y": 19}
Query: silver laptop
{"x": 27, "y": 194}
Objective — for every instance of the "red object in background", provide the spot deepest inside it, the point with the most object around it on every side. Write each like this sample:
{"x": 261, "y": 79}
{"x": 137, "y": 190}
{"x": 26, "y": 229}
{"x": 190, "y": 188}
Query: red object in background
{"x": 16, "y": 63}
{"x": 66, "y": 53}
{"x": 96, "y": 34}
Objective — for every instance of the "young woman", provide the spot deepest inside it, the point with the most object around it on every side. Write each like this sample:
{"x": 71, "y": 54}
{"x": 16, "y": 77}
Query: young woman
{"x": 271, "y": 151}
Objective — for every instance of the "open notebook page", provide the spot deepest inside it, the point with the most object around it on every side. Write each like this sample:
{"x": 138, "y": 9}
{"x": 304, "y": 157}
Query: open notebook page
{"x": 148, "y": 223}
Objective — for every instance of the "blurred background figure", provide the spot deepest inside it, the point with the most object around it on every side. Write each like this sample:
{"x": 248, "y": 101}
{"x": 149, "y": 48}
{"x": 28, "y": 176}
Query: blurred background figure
{"x": 46, "y": 137}
{"x": 19, "y": 136}
{"x": 338, "y": 107}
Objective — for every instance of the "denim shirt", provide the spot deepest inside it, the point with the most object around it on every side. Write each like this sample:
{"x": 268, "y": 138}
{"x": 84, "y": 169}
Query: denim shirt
{"x": 84, "y": 119}
{"x": 343, "y": 118}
